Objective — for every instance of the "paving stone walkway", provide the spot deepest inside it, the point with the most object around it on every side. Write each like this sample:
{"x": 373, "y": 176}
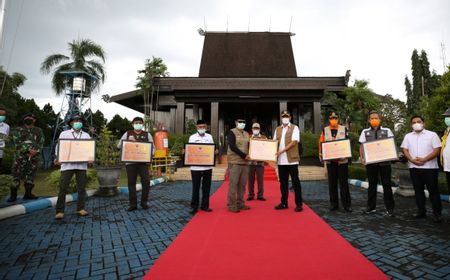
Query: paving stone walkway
{"x": 112, "y": 243}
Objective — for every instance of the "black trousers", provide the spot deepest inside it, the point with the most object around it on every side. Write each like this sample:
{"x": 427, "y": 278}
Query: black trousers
{"x": 448, "y": 180}
{"x": 64, "y": 181}
{"x": 338, "y": 172}
{"x": 203, "y": 179}
{"x": 283, "y": 172}
{"x": 133, "y": 170}
{"x": 384, "y": 172}
{"x": 420, "y": 178}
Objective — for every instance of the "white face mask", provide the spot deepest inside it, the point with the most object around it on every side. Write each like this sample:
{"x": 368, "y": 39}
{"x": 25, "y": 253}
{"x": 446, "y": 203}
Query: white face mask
{"x": 417, "y": 126}
{"x": 285, "y": 120}
{"x": 240, "y": 125}
{"x": 255, "y": 131}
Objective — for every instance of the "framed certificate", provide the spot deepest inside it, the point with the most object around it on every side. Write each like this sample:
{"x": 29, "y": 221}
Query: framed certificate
{"x": 76, "y": 150}
{"x": 263, "y": 149}
{"x": 199, "y": 154}
{"x": 380, "y": 150}
{"x": 336, "y": 149}
{"x": 136, "y": 151}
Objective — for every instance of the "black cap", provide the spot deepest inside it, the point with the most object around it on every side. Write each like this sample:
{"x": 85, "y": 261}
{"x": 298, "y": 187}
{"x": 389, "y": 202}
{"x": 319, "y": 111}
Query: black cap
{"x": 447, "y": 113}
{"x": 28, "y": 115}
{"x": 76, "y": 117}
{"x": 201, "y": 122}
{"x": 137, "y": 119}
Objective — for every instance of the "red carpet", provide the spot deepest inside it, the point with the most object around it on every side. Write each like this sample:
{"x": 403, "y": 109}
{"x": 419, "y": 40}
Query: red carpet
{"x": 260, "y": 243}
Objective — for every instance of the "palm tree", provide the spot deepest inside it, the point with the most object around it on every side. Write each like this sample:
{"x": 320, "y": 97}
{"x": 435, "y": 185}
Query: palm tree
{"x": 80, "y": 52}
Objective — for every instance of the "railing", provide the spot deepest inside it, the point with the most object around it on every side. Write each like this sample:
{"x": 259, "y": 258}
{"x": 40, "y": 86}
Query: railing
{"x": 163, "y": 166}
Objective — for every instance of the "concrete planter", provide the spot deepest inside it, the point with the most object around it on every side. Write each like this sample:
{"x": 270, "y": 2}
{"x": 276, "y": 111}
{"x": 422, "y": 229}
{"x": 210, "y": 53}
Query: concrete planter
{"x": 108, "y": 179}
{"x": 401, "y": 173}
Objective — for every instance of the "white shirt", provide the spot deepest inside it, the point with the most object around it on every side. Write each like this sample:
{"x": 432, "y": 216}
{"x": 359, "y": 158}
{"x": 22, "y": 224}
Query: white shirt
{"x": 197, "y": 138}
{"x": 4, "y": 132}
{"x": 362, "y": 137}
{"x": 282, "y": 159}
{"x": 420, "y": 145}
{"x": 446, "y": 155}
{"x": 72, "y": 134}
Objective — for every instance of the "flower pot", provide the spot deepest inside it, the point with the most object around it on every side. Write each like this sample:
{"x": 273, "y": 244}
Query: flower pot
{"x": 108, "y": 179}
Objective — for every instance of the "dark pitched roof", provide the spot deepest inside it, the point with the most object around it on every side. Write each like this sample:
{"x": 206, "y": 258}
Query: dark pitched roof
{"x": 248, "y": 54}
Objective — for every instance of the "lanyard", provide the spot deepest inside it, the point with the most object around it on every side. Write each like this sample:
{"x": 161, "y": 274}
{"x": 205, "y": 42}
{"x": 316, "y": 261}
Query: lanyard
{"x": 79, "y": 135}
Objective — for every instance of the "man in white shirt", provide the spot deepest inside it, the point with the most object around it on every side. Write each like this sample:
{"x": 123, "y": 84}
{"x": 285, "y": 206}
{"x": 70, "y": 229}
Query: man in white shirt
{"x": 4, "y": 132}
{"x": 445, "y": 151}
{"x": 288, "y": 137}
{"x": 201, "y": 175}
{"x": 421, "y": 147}
{"x": 69, "y": 169}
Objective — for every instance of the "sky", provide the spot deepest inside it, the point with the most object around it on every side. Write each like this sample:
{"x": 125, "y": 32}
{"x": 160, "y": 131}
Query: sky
{"x": 374, "y": 39}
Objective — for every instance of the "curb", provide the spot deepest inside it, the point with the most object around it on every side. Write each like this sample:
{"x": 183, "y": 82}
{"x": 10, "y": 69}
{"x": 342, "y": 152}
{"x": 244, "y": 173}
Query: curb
{"x": 25, "y": 208}
{"x": 365, "y": 185}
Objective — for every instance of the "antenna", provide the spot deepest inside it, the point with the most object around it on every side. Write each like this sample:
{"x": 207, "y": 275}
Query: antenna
{"x": 270, "y": 23}
{"x": 227, "y": 23}
{"x": 248, "y": 27}
{"x": 205, "y": 26}
{"x": 290, "y": 25}
{"x": 443, "y": 57}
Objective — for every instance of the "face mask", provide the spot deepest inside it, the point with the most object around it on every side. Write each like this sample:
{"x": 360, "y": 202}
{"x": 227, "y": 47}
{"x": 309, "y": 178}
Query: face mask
{"x": 447, "y": 121}
{"x": 138, "y": 126}
{"x": 201, "y": 131}
{"x": 255, "y": 131}
{"x": 28, "y": 121}
{"x": 285, "y": 120}
{"x": 374, "y": 123}
{"x": 417, "y": 126}
{"x": 2, "y": 118}
{"x": 333, "y": 122}
{"x": 240, "y": 125}
{"x": 77, "y": 125}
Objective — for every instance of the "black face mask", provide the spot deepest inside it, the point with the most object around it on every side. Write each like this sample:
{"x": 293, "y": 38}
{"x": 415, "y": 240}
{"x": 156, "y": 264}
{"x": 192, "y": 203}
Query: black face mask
{"x": 28, "y": 121}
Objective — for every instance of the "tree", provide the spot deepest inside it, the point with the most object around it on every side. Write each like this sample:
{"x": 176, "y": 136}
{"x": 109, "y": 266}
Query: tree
{"x": 417, "y": 72}
{"x": 409, "y": 96}
{"x": 10, "y": 96}
{"x": 118, "y": 126}
{"x": 393, "y": 114}
{"x": 80, "y": 53}
{"x": 146, "y": 81}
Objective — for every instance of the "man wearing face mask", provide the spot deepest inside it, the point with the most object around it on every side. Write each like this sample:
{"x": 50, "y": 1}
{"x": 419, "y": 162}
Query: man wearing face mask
{"x": 237, "y": 157}
{"x": 288, "y": 137}
{"x": 445, "y": 151}
{"x": 422, "y": 147}
{"x": 4, "y": 132}
{"x": 256, "y": 168}
{"x": 201, "y": 175}
{"x": 133, "y": 169}
{"x": 381, "y": 169}
{"x": 337, "y": 170}
{"x": 28, "y": 141}
{"x": 69, "y": 169}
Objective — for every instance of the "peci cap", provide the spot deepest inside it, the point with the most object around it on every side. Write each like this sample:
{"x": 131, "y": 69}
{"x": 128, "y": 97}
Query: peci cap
{"x": 201, "y": 122}
{"x": 447, "y": 113}
{"x": 285, "y": 113}
{"x": 256, "y": 125}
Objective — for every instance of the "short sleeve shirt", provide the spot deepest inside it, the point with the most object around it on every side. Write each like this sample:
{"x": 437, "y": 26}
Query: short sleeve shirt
{"x": 420, "y": 145}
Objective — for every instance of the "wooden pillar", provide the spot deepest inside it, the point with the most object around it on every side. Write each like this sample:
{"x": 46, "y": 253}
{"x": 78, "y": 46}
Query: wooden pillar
{"x": 317, "y": 117}
{"x": 195, "y": 112}
{"x": 215, "y": 120}
{"x": 172, "y": 122}
{"x": 179, "y": 118}
{"x": 283, "y": 106}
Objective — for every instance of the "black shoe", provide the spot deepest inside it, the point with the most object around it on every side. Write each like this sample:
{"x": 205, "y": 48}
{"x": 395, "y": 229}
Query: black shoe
{"x": 249, "y": 198}
{"x": 298, "y": 209}
{"x": 207, "y": 209}
{"x": 437, "y": 218}
{"x": 420, "y": 216}
{"x": 261, "y": 198}
{"x": 334, "y": 208}
{"x": 131, "y": 208}
{"x": 193, "y": 211}
{"x": 145, "y": 206}
{"x": 281, "y": 206}
{"x": 369, "y": 211}
{"x": 30, "y": 196}
{"x": 11, "y": 199}
{"x": 390, "y": 213}
{"x": 348, "y": 209}
{"x": 13, "y": 196}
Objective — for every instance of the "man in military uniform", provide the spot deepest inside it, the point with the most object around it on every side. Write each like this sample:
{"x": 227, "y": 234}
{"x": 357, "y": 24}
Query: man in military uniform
{"x": 382, "y": 169}
{"x": 337, "y": 169}
{"x": 28, "y": 141}
{"x": 256, "y": 168}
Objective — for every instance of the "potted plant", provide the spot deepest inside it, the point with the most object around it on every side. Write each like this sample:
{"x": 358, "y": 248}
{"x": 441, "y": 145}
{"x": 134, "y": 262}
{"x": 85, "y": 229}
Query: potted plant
{"x": 107, "y": 163}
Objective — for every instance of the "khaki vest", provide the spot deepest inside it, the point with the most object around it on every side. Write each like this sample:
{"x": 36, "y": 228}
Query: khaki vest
{"x": 242, "y": 142}
{"x": 292, "y": 154}
{"x": 339, "y": 135}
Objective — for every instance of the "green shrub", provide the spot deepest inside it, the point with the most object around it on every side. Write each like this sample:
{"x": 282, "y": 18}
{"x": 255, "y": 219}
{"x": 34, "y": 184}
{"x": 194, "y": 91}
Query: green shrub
{"x": 442, "y": 184}
{"x": 8, "y": 159}
{"x": 53, "y": 180}
{"x": 6, "y": 182}
{"x": 357, "y": 171}
{"x": 178, "y": 144}
{"x": 354, "y": 142}
{"x": 310, "y": 143}
{"x": 106, "y": 149}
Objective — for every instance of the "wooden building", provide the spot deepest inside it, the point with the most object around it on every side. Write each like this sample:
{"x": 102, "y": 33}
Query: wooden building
{"x": 246, "y": 73}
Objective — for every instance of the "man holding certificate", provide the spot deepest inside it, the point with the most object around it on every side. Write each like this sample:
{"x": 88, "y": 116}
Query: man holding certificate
{"x": 256, "y": 168}
{"x": 337, "y": 169}
{"x": 201, "y": 175}
{"x": 72, "y": 168}
{"x": 288, "y": 137}
{"x": 137, "y": 168}
{"x": 382, "y": 169}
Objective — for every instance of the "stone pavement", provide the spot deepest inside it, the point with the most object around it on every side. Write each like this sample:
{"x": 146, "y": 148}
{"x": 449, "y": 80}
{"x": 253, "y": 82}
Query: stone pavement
{"x": 112, "y": 243}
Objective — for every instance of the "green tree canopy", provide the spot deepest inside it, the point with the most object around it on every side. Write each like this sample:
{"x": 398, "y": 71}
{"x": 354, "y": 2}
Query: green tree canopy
{"x": 118, "y": 126}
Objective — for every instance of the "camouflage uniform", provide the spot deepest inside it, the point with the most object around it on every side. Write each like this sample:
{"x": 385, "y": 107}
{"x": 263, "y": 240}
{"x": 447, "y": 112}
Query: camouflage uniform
{"x": 24, "y": 167}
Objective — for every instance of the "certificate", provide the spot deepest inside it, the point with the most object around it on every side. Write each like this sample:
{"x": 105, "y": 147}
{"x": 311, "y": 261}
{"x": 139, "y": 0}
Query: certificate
{"x": 336, "y": 149}
{"x": 380, "y": 150}
{"x": 263, "y": 149}
{"x": 76, "y": 150}
{"x": 199, "y": 154}
{"x": 136, "y": 151}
